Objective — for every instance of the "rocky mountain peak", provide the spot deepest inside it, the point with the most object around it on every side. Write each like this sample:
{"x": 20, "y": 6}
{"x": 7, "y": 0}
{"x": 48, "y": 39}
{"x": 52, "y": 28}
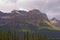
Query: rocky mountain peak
{"x": 54, "y": 19}
{"x": 19, "y": 11}
{"x": 33, "y": 16}
{"x": 34, "y": 11}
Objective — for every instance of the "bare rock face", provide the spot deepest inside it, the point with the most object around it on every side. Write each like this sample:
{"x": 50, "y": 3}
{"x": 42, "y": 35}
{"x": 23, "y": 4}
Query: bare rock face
{"x": 34, "y": 17}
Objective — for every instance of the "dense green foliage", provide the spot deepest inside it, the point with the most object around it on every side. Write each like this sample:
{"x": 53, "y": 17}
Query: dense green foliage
{"x": 8, "y": 35}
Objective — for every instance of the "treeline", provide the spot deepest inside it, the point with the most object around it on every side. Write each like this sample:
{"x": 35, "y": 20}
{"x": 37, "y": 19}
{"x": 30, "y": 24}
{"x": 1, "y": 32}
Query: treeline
{"x": 8, "y": 35}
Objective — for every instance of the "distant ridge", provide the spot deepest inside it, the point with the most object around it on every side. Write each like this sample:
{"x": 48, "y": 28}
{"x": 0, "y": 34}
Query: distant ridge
{"x": 55, "y": 22}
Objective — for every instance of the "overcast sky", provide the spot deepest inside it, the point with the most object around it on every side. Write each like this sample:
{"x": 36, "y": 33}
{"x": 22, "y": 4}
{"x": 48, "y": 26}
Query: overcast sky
{"x": 50, "y": 7}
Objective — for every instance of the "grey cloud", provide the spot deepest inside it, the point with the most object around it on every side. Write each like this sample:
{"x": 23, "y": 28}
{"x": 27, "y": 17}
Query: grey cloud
{"x": 13, "y": 1}
{"x": 50, "y": 7}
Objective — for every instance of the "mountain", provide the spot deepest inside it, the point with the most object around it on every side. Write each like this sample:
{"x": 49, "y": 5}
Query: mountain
{"x": 55, "y": 22}
{"x": 24, "y": 20}
{"x": 29, "y": 24}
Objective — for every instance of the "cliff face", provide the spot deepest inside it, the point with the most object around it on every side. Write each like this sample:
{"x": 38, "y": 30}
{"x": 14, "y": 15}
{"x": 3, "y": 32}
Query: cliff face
{"x": 34, "y": 17}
